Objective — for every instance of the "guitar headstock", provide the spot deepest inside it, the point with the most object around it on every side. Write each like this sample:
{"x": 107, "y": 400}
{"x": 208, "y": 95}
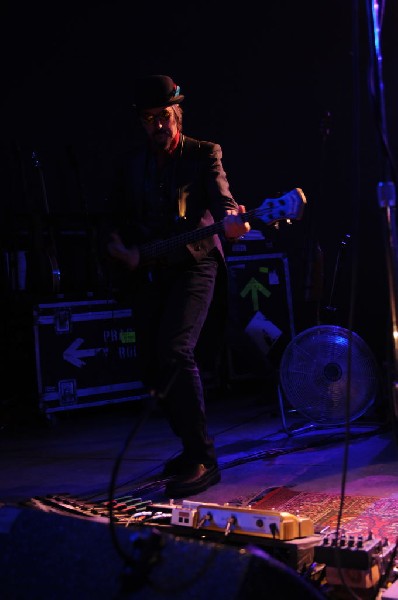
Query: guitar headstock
{"x": 288, "y": 207}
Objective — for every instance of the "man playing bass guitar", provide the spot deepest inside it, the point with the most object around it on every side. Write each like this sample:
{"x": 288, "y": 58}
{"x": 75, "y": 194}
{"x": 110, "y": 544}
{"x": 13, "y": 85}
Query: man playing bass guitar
{"x": 170, "y": 186}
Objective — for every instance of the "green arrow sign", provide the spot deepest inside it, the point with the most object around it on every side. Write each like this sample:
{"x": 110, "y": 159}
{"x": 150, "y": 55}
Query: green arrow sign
{"x": 254, "y": 287}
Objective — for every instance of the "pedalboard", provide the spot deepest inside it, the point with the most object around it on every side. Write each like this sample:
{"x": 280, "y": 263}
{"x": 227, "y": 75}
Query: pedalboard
{"x": 354, "y": 560}
{"x": 238, "y": 520}
{"x": 351, "y": 552}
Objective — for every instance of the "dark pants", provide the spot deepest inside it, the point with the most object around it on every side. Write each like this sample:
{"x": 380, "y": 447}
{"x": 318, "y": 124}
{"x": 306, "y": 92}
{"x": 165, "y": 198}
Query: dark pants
{"x": 170, "y": 312}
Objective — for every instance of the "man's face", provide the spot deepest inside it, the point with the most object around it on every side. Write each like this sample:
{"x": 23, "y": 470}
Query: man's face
{"x": 160, "y": 125}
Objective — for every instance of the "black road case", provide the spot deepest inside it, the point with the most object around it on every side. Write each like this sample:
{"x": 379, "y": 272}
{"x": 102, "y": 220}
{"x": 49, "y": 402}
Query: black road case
{"x": 261, "y": 319}
{"x": 85, "y": 354}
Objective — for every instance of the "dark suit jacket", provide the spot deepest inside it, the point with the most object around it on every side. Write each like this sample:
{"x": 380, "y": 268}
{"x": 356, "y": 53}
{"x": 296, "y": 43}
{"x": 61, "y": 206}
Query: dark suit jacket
{"x": 198, "y": 187}
{"x": 201, "y": 193}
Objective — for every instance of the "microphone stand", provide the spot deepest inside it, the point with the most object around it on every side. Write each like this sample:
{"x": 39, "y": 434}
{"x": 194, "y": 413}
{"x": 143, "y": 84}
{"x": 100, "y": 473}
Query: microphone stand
{"x": 386, "y": 195}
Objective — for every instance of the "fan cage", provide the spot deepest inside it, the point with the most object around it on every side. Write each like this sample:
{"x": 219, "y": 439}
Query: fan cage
{"x": 329, "y": 375}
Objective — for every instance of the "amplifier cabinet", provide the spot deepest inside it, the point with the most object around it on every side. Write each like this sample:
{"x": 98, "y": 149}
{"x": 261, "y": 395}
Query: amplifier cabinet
{"x": 261, "y": 316}
{"x": 85, "y": 353}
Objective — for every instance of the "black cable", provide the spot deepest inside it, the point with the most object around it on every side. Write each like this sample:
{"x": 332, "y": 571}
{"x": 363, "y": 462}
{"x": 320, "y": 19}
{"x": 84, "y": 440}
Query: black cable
{"x": 112, "y": 485}
{"x": 356, "y": 122}
{"x": 384, "y": 579}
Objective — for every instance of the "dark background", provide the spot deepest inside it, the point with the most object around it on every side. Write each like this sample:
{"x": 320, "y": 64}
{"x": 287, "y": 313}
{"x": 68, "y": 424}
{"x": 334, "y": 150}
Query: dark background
{"x": 286, "y": 89}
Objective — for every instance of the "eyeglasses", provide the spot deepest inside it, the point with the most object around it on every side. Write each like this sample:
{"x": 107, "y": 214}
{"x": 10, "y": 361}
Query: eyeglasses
{"x": 150, "y": 119}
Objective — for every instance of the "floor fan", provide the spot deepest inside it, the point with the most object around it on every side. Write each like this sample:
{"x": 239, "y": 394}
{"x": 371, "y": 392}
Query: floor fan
{"x": 328, "y": 374}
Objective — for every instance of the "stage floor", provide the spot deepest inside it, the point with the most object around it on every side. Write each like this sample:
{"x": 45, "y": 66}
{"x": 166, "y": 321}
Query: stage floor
{"x": 77, "y": 458}
{"x": 76, "y": 452}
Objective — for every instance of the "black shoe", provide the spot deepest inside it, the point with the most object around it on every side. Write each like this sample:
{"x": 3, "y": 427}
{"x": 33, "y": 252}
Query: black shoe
{"x": 196, "y": 480}
{"x": 177, "y": 466}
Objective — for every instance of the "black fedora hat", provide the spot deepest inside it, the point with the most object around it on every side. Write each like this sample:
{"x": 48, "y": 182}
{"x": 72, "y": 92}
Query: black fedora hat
{"x": 153, "y": 91}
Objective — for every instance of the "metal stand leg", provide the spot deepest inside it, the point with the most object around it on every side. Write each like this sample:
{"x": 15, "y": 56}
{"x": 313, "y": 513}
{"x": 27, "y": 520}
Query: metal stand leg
{"x": 284, "y": 424}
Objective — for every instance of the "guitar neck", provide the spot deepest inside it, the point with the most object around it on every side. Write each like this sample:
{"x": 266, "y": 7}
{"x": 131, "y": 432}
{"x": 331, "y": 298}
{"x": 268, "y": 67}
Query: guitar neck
{"x": 288, "y": 206}
{"x": 158, "y": 248}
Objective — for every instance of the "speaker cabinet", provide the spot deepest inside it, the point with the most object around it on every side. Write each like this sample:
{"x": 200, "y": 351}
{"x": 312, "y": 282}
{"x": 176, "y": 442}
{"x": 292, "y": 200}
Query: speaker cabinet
{"x": 59, "y": 557}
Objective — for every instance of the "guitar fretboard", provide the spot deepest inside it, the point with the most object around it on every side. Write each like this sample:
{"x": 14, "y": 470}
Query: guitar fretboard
{"x": 289, "y": 206}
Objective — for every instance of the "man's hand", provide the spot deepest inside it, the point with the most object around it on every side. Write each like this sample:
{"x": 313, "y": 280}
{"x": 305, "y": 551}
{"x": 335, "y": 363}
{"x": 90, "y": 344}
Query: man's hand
{"x": 234, "y": 226}
{"x": 130, "y": 256}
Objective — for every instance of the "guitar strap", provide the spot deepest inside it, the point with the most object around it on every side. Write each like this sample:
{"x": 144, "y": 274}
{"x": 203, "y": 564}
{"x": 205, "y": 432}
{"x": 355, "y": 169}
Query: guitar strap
{"x": 182, "y": 196}
{"x": 192, "y": 147}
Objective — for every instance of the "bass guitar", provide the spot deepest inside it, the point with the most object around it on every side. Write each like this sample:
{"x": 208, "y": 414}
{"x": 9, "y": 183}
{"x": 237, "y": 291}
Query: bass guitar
{"x": 288, "y": 207}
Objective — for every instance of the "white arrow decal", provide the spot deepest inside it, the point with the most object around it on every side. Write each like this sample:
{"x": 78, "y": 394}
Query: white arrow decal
{"x": 74, "y": 356}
